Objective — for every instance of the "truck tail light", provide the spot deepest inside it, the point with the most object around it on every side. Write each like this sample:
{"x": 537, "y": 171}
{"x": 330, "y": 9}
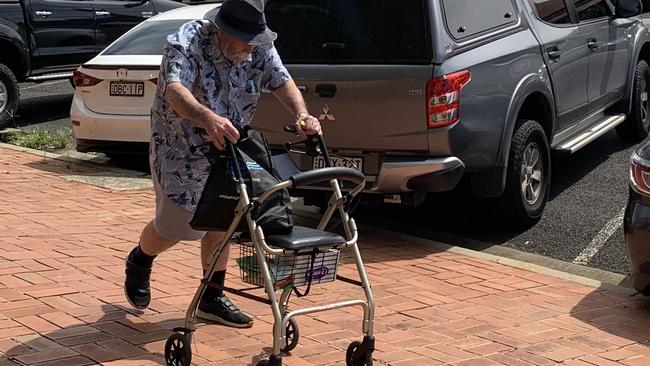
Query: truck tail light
{"x": 443, "y": 98}
{"x": 640, "y": 174}
{"x": 81, "y": 80}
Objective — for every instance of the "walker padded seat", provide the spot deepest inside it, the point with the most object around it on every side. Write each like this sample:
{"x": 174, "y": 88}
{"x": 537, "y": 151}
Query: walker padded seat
{"x": 303, "y": 238}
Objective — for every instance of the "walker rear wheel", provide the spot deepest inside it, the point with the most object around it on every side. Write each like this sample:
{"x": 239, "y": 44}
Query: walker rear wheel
{"x": 358, "y": 355}
{"x": 292, "y": 334}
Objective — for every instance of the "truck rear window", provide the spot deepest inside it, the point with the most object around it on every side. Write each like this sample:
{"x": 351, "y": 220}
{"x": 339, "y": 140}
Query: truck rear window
{"x": 147, "y": 39}
{"x": 350, "y": 31}
{"x": 467, "y": 18}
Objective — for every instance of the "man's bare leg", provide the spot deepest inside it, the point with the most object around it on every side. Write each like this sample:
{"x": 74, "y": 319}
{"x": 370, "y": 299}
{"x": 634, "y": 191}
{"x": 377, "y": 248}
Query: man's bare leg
{"x": 139, "y": 263}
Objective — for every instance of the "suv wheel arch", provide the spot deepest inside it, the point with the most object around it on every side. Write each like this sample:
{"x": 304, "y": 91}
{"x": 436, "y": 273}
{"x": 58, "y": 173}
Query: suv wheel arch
{"x": 535, "y": 105}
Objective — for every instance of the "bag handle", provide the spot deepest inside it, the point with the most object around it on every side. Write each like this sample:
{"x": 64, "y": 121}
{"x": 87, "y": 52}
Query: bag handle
{"x": 231, "y": 149}
{"x": 311, "y": 274}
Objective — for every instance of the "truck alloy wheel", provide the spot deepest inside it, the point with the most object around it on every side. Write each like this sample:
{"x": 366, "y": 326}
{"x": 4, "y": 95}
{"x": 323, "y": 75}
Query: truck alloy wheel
{"x": 532, "y": 173}
{"x": 9, "y": 95}
{"x": 3, "y": 97}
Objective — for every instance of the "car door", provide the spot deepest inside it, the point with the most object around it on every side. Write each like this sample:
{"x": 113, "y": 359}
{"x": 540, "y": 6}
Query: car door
{"x": 566, "y": 56}
{"x": 609, "y": 46}
{"x": 115, "y": 17}
{"x": 64, "y": 33}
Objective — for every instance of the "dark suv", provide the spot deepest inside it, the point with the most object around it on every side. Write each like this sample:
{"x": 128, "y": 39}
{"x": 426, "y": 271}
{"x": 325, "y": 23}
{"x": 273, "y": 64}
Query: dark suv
{"x": 419, "y": 94}
{"x": 47, "y": 39}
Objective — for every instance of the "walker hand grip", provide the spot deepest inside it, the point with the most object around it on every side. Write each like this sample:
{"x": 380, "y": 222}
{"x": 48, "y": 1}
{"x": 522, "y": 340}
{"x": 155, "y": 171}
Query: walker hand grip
{"x": 326, "y": 174}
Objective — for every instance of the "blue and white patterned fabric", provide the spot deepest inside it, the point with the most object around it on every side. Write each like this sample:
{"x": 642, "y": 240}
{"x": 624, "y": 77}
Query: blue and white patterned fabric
{"x": 192, "y": 57}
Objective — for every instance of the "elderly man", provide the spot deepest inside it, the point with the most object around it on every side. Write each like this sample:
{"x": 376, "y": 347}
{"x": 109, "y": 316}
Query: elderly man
{"x": 210, "y": 80}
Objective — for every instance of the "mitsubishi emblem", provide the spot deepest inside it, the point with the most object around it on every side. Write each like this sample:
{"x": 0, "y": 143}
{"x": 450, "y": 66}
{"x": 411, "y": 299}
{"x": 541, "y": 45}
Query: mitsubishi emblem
{"x": 327, "y": 115}
{"x": 121, "y": 73}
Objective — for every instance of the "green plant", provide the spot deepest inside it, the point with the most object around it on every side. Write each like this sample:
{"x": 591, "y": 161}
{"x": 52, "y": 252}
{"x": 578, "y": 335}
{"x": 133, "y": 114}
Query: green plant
{"x": 42, "y": 139}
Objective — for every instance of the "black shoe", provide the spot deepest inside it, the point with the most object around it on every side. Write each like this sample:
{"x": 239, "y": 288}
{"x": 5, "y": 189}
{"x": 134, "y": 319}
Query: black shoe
{"x": 136, "y": 285}
{"x": 221, "y": 310}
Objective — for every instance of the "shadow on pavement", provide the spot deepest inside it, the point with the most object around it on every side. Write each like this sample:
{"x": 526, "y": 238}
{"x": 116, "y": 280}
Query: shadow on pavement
{"x": 116, "y": 334}
{"x": 623, "y": 319}
{"x": 569, "y": 170}
{"x": 38, "y": 110}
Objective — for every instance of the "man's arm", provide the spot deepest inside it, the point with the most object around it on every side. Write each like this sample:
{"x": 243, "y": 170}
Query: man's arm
{"x": 289, "y": 95}
{"x": 185, "y": 105}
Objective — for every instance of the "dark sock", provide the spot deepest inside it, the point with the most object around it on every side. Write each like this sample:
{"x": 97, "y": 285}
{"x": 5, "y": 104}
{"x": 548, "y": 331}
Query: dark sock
{"x": 141, "y": 259}
{"x": 219, "y": 278}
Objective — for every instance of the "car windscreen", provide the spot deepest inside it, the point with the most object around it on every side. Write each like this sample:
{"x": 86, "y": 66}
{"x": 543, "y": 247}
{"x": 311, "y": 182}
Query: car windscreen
{"x": 147, "y": 39}
{"x": 350, "y": 31}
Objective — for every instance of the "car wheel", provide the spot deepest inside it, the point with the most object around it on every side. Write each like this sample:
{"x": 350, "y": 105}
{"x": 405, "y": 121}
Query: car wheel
{"x": 528, "y": 176}
{"x": 637, "y": 125}
{"x": 9, "y": 95}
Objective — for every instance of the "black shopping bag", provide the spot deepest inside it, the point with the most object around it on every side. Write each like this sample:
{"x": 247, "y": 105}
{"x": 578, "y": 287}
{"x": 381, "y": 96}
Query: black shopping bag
{"x": 216, "y": 208}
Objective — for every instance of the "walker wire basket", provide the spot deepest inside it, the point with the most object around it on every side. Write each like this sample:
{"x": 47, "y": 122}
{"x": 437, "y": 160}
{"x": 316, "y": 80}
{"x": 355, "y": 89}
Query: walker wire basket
{"x": 296, "y": 269}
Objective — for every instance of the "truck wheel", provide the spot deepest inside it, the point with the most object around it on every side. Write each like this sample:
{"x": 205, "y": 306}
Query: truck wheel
{"x": 9, "y": 95}
{"x": 636, "y": 127}
{"x": 528, "y": 177}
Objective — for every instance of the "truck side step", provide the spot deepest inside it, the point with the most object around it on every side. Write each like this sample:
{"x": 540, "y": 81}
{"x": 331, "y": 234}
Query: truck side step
{"x": 574, "y": 143}
{"x": 48, "y": 77}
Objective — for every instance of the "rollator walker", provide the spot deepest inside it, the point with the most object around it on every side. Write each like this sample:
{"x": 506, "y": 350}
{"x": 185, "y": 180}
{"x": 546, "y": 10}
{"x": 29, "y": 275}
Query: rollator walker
{"x": 285, "y": 262}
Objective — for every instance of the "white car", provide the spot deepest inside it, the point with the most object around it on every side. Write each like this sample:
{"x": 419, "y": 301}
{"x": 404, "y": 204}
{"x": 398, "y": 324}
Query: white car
{"x": 114, "y": 91}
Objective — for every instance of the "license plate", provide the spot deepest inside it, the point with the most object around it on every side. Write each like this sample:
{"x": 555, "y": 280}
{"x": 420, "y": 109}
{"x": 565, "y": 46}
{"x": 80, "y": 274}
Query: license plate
{"x": 345, "y": 162}
{"x": 127, "y": 88}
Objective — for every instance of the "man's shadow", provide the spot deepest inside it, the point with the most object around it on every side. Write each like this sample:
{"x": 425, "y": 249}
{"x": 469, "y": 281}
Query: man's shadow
{"x": 623, "y": 317}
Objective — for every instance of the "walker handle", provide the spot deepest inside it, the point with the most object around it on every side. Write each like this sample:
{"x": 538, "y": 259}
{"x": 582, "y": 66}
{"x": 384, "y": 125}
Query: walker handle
{"x": 315, "y": 139}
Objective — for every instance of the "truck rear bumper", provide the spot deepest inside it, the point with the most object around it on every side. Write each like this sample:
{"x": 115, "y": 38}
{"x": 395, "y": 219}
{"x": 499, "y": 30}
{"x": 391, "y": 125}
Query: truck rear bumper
{"x": 429, "y": 175}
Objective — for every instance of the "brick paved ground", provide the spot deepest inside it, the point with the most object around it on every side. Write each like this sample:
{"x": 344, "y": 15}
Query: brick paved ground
{"x": 61, "y": 301}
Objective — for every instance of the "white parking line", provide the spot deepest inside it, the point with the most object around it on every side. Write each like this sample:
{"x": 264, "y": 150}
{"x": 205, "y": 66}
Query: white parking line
{"x": 44, "y": 84}
{"x": 601, "y": 238}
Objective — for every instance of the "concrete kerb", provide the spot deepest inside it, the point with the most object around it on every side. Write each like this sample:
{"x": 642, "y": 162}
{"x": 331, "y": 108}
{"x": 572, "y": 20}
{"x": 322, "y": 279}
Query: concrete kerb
{"x": 118, "y": 179}
{"x": 584, "y": 275}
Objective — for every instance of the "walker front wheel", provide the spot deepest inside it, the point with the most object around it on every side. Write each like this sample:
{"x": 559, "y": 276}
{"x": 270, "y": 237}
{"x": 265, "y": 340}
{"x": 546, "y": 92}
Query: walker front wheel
{"x": 178, "y": 351}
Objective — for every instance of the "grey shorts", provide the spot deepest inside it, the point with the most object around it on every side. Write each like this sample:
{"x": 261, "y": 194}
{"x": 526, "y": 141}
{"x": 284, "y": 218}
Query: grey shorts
{"x": 172, "y": 221}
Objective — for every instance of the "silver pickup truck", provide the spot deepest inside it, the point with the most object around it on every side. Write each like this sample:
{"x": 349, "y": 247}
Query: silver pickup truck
{"x": 420, "y": 94}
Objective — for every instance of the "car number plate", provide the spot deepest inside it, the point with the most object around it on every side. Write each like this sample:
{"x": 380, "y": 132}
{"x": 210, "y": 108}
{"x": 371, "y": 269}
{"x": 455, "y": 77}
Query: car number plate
{"x": 127, "y": 88}
{"x": 345, "y": 162}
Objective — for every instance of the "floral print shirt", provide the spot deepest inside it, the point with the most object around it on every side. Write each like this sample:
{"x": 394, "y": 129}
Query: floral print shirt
{"x": 192, "y": 56}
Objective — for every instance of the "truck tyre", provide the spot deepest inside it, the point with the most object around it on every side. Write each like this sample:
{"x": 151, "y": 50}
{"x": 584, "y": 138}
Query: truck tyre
{"x": 636, "y": 127}
{"x": 528, "y": 176}
{"x": 9, "y": 95}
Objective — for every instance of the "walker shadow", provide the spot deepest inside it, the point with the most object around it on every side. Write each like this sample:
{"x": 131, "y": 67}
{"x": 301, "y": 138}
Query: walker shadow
{"x": 118, "y": 334}
{"x": 114, "y": 336}
{"x": 622, "y": 315}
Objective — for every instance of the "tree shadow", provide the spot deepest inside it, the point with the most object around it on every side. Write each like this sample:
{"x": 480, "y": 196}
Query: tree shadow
{"x": 622, "y": 317}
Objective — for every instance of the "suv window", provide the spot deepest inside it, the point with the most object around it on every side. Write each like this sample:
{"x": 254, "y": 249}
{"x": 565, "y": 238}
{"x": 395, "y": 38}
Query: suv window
{"x": 466, "y": 18}
{"x": 591, "y": 9}
{"x": 553, "y": 11}
{"x": 350, "y": 31}
{"x": 147, "y": 39}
